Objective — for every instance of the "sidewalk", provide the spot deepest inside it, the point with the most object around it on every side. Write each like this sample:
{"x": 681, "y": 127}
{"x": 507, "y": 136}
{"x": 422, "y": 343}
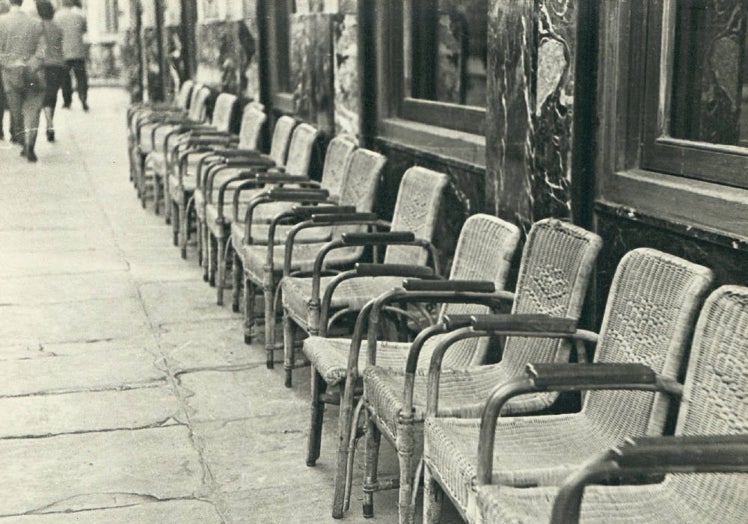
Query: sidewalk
{"x": 126, "y": 394}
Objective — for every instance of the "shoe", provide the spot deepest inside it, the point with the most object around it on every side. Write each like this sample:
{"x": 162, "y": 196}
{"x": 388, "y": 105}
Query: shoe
{"x": 66, "y": 106}
{"x": 85, "y": 106}
{"x": 50, "y": 135}
{"x": 2, "y": 135}
{"x": 23, "y": 151}
{"x": 31, "y": 156}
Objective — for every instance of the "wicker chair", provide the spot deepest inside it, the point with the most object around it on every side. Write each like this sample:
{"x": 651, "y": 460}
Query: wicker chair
{"x": 255, "y": 231}
{"x": 157, "y": 138}
{"x": 224, "y": 159}
{"x": 648, "y": 319}
{"x": 219, "y": 184}
{"x": 180, "y": 171}
{"x": 141, "y": 114}
{"x": 415, "y": 212}
{"x": 482, "y": 260}
{"x": 265, "y": 264}
{"x": 706, "y": 457}
{"x": 557, "y": 262}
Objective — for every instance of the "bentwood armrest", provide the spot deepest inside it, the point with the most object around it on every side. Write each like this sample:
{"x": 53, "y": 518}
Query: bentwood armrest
{"x": 368, "y": 239}
{"x": 564, "y": 377}
{"x": 476, "y": 286}
{"x": 393, "y": 270}
{"x": 345, "y": 218}
{"x": 652, "y": 455}
{"x": 231, "y": 153}
{"x": 271, "y": 177}
{"x": 524, "y": 323}
{"x": 306, "y": 212}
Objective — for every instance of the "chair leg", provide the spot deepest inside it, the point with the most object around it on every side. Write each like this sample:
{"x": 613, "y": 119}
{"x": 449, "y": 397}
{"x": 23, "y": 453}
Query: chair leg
{"x": 289, "y": 352}
{"x": 184, "y": 235}
{"x": 175, "y": 222}
{"x": 200, "y": 242}
{"x": 269, "y": 303}
{"x": 156, "y": 195}
{"x": 249, "y": 313}
{"x": 220, "y": 268}
{"x": 319, "y": 386}
{"x": 213, "y": 261}
{"x": 345, "y": 429}
{"x": 433, "y": 497}
{"x": 236, "y": 274}
{"x": 405, "y": 449}
{"x": 371, "y": 461}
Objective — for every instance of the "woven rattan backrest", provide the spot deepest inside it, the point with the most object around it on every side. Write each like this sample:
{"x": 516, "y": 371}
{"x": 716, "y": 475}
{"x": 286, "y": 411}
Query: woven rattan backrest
{"x": 484, "y": 252}
{"x": 199, "y": 104}
{"x": 284, "y": 127}
{"x": 416, "y": 209}
{"x": 222, "y": 111}
{"x": 300, "y": 150}
{"x": 716, "y": 399}
{"x": 649, "y": 317}
{"x": 253, "y": 119}
{"x": 557, "y": 261}
{"x": 337, "y": 157}
{"x": 184, "y": 95}
{"x": 359, "y": 187}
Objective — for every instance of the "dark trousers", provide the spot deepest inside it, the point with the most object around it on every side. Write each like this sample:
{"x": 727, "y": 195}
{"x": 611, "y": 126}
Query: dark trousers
{"x": 78, "y": 67}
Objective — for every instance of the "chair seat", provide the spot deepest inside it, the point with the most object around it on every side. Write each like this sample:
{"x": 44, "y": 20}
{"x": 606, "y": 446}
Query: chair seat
{"x": 254, "y": 257}
{"x": 352, "y": 294}
{"x": 642, "y": 504}
{"x": 529, "y": 451}
{"x": 188, "y": 186}
{"x": 155, "y": 163}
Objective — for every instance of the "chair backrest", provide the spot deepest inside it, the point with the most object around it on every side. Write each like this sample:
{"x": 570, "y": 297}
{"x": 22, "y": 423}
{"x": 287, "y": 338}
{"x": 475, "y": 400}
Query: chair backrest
{"x": 253, "y": 118}
{"x": 649, "y": 318}
{"x": 199, "y": 103}
{"x": 337, "y": 157}
{"x": 223, "y": 110}
{"x": 284, "y": 127}
{"x": 557, "y": 262}
{"x": 300, "y": 150}
{"x": 716, "y": 394}
{"x": 484, "y": 251}
{"x": 416, "y": 209}
{"x": 184, "y": 94}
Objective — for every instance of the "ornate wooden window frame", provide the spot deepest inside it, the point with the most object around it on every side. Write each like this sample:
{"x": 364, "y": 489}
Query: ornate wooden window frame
{"x": 415, "y": 122}
{"x": 639, "y": 166}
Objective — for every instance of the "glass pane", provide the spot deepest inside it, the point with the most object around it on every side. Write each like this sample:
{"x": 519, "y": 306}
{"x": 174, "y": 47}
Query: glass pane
{"x": 444, "y": 50}
{"x": 710, "y": 72}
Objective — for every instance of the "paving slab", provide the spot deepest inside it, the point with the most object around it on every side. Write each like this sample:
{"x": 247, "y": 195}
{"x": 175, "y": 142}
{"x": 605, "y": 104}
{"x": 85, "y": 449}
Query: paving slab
{"x": 71, "y": 287}
{"x": 49, "y": 241}
{"x": 70, "y": 472}
{"x": 14, "y": 264}
{"x": 41, "y": 415}
{"x": 241, "y": 394}
{"x": 207, "y": 344}
{"x": 148, "y": 512}
{"x": 182, "y": 301}
{"x": 78, "y": 367}
{"x": 73, "y": 321}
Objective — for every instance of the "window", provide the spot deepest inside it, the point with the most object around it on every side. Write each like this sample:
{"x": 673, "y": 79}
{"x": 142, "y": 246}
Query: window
{"x": 435, "y": 70}
{"x": 696, "y": 107}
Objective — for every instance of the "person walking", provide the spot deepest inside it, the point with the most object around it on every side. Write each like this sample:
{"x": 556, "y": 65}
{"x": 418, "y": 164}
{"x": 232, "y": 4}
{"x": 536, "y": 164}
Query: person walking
{"x": 22, "y": 50}
{"x": 73, "y": 25}
{"x": 54, "y": 63}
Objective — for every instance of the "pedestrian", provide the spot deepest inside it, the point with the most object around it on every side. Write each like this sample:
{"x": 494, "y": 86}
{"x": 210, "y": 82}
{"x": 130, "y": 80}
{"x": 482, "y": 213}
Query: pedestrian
{"x": 54, "y": 63}
{"x": 4, "y": 8}
{"x": 22, "y": 51}
{"x": 73, "y": 24}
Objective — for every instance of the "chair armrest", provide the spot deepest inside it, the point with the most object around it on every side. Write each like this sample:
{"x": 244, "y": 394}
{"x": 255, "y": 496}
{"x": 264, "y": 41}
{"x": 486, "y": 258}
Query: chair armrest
{"x": 306, "y": 212}
{"x": 475, "y": 286}
{"x": 393, "y": 270}
{"x": 525, "y": 323}
{"x": 545, "y": 375}
{"x": 367, "y": 239}
{"x": 564, "y": 377}
{"x": 248, "y": 161}
{"x": 652, "y": 455}
{"x": 286, "y": 194}
{"x": 282, "y": 178}
{"x": 233, "y": 153}
{"x": 352, "y": 218}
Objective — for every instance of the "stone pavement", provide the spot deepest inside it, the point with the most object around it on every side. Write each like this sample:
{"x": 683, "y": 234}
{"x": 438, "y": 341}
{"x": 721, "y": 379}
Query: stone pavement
{"x": 126, "y": 394}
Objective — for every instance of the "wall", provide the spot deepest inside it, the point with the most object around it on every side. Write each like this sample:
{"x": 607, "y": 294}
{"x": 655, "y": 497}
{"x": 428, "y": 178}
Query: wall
{"x": 531, "y": 53}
